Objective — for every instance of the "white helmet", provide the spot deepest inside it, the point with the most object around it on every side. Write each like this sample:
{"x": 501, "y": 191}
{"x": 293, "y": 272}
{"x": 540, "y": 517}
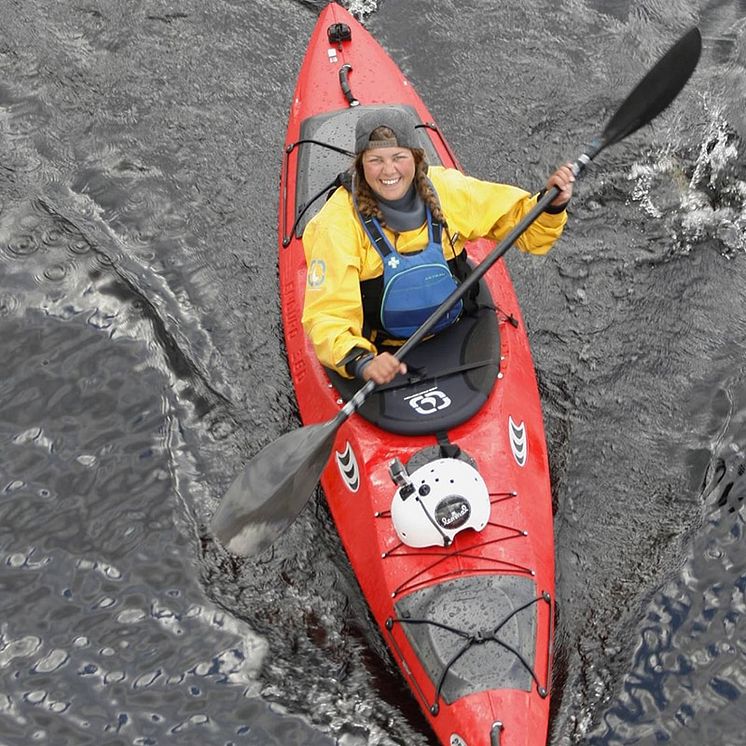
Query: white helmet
{"x": 437, "y": 501}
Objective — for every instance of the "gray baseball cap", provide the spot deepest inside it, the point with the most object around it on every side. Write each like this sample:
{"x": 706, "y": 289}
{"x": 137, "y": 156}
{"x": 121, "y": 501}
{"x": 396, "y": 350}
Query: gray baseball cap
{"x": 398, "y": 121}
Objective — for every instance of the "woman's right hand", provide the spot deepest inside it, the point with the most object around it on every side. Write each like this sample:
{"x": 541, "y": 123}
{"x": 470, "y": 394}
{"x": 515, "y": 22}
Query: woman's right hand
{"x": 563, "y": 178}
{"x": 383, "y": 368}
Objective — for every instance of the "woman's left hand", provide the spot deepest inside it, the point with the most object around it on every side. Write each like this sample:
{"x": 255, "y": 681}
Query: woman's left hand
{"x": 563, "y": 178}
{"x": 383, "y": 368}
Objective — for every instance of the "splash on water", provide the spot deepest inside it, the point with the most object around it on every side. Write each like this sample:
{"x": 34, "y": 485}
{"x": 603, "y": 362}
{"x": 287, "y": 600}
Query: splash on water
{"x": 702, "y": 202}
{"x": 361, "y": 8}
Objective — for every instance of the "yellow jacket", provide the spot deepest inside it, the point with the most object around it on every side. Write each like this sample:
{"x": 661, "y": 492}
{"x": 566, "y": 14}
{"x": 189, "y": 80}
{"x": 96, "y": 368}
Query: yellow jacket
{"x": 339, "y": 254}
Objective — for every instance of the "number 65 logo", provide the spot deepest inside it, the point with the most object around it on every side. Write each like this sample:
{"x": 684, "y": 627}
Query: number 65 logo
{"x": 428, "y": 402}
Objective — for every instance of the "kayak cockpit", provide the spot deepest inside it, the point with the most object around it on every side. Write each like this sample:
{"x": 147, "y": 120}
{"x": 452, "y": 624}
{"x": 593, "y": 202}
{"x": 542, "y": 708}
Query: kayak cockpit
{"x": 451, "y": 375}
{"x": 449, "y": 378}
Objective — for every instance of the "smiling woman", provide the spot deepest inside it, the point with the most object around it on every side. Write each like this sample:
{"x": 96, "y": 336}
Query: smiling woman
{"x": 389, "y": 170}
{"x": 393, "y": 245}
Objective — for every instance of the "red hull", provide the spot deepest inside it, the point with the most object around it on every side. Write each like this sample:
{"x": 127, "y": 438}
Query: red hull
{"x": 519, "y": 539}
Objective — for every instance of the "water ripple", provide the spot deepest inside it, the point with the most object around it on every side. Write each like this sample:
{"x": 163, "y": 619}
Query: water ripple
{"x": 89, "y": 444}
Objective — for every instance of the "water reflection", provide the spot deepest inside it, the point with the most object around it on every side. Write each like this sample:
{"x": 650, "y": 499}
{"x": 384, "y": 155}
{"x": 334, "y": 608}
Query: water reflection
{"x": 142, "y": 364}
{"x": 106, "y": 630}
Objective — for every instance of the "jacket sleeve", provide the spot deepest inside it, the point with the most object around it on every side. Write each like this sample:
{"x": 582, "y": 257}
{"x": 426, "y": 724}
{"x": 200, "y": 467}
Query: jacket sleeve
{"x": 333, "y": 309}
{"x": 484, "y": 209}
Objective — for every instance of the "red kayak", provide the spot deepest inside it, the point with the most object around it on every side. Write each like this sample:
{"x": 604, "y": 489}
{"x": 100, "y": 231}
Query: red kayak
{"x": 439, "y": 483}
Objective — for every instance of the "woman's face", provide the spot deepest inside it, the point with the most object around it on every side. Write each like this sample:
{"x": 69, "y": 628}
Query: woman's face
{"x": 389, "y": 171}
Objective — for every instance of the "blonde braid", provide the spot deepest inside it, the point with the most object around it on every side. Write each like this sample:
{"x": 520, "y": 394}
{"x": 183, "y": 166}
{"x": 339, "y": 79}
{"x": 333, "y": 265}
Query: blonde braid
{"x": 363, "y": 194}
{"x": 425, "y": 188}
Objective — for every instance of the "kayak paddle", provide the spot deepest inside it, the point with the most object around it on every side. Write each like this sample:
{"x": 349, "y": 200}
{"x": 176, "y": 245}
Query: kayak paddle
{"x": 275, "y": 485}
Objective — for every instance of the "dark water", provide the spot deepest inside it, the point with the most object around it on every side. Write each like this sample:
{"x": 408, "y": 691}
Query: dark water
{"x": 142, "y": 364}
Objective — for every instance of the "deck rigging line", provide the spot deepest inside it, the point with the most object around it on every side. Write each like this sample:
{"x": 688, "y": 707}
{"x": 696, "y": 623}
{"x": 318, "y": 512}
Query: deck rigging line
{"x": 480, "y": 637}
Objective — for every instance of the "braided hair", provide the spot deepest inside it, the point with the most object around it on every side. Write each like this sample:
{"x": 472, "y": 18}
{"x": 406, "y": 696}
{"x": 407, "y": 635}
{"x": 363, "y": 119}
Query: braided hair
{"x": 365, "y": 197}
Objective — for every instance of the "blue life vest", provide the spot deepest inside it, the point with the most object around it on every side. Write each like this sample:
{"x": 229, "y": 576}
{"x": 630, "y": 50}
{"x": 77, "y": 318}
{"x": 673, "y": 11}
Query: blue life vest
{"x": 414, "y": 285}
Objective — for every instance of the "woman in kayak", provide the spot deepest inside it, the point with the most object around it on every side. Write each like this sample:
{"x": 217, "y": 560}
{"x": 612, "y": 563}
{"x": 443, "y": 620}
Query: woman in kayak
{"x": 383, "y": 254}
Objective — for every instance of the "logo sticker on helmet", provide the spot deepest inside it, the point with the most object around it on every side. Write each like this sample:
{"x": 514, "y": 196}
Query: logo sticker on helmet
{"x": 518, "y": 442}
{"x": 452, "y": 512}
{"x": 348, "y": 468}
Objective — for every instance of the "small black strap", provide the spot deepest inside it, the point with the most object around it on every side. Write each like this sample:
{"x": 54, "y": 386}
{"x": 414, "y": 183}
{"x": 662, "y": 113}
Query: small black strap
{"x": 437, "y": 231}
{"x": 512, "y": 320}
{"x": 416, "y": 375}
{"x": 447, "y": 449}
{"x": 351, "y": 360}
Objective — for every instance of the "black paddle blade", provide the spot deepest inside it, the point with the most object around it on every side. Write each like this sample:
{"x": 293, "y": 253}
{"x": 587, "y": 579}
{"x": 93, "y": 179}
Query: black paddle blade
{"x": 273, "y": 489}
{"x": 657, "y": 89}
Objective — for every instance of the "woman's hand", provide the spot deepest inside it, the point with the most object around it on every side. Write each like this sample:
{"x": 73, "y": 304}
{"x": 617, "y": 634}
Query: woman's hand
{"x": 383, "y": 368}
{"x": 563, "y": 178}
